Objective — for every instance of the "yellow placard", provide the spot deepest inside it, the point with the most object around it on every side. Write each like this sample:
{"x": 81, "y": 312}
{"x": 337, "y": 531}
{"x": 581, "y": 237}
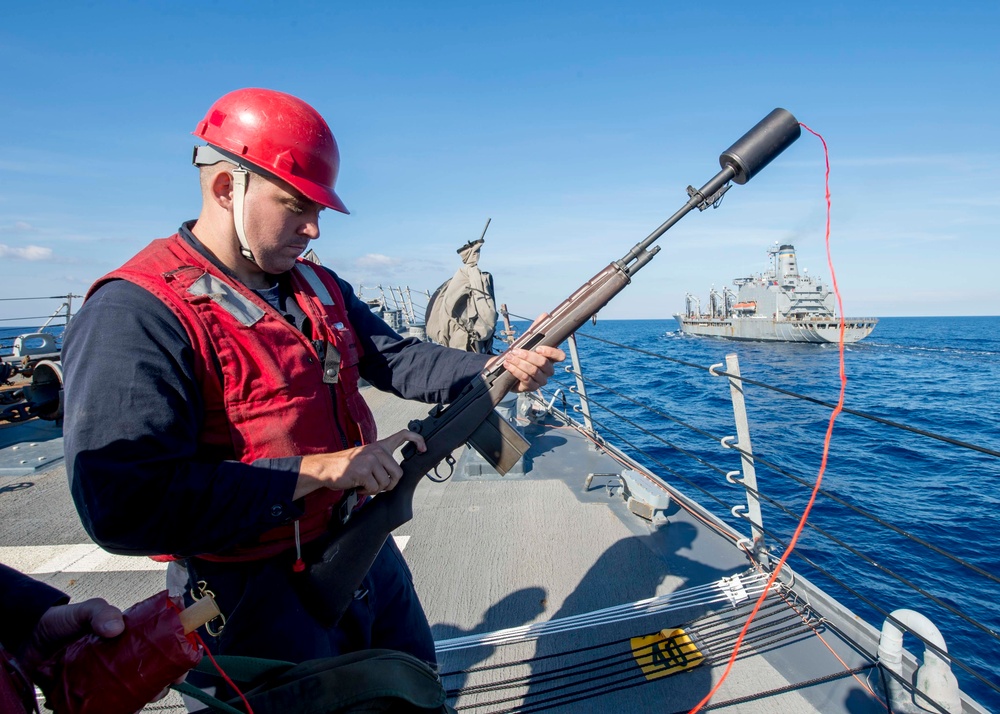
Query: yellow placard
{"x": 665, "y": 652}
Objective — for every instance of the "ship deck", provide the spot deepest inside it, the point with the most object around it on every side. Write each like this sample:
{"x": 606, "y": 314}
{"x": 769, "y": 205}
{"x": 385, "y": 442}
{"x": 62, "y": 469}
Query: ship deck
{"x": 529, "y": 550}
{"x": 490, "y": 553}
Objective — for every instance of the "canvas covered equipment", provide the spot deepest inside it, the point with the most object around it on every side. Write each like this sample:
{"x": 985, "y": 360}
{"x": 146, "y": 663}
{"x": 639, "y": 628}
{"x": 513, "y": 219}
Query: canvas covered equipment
{"x": 462, "y": 313}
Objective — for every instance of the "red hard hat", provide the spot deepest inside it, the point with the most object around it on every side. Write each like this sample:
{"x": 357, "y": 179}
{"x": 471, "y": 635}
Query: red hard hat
{"x": 280, "y": 134}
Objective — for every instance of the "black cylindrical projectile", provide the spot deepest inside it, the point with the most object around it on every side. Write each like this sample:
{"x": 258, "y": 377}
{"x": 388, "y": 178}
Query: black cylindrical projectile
{"x": 755, "y": 149}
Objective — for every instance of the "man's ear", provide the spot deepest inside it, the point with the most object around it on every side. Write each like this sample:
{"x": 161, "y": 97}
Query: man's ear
{"x": 221, "y": 189}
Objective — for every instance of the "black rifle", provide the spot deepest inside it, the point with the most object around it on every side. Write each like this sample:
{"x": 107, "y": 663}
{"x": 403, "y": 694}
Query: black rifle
{"x": 351, "y": 550}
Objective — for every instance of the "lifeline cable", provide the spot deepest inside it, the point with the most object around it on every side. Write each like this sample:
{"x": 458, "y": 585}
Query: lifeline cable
{"x": 775, "y": 467}
{"x": 883, "y": 612}
{"x": 817, "y": 633}
{"x": 826, "y": 442}
{"x": 790, "y": 393}
{"x": 861, "y": 556}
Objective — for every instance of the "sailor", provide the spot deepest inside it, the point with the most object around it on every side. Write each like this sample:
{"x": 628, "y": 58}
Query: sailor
{"x": 212, "y": 403}
{"x": 462, "y": 313}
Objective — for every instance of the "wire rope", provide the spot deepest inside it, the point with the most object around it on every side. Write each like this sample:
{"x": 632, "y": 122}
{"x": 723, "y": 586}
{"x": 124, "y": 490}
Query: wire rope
{"x": 615, "y": 672}
{"x": 700, "y": 595}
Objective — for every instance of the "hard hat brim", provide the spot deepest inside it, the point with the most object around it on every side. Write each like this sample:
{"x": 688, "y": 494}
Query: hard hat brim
{"x": 321, "y": 194}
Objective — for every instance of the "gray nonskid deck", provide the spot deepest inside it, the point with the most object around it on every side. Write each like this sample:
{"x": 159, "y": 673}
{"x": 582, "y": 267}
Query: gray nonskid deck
{"x": 491, "y": 552}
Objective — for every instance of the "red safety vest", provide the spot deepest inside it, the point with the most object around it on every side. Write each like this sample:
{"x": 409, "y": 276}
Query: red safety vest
{"x": 262, "y": 379}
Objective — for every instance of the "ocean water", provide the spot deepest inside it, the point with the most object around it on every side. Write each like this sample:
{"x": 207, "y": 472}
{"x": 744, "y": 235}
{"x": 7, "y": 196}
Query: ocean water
{"x": 940, "y": 375}
{"x": 7, "y": 335}
{"x": 936, "y": 374}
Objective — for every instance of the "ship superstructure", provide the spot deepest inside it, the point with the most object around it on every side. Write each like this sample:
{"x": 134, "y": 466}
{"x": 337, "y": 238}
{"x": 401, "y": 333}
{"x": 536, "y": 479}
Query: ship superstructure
{"x": 780, "y": 304}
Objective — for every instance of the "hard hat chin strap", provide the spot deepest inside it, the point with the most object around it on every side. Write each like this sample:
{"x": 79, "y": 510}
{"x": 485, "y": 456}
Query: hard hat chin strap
{"x": 240, "y": 177}
{"x": 208, "y": 156}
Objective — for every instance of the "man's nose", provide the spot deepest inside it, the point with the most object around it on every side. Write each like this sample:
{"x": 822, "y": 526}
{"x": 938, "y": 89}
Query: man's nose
{"x": 310, "y": 229}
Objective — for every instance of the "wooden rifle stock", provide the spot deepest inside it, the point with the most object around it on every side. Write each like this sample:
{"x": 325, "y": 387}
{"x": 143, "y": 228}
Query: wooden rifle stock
{"x": 330, "y": 583}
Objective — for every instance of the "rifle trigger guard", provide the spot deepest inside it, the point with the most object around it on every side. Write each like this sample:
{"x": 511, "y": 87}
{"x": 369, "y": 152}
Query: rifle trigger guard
{"x": 437, "y": 477}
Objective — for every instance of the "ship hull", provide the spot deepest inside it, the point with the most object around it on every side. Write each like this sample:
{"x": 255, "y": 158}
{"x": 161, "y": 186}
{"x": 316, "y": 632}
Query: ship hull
{"x": 759, "y": 329}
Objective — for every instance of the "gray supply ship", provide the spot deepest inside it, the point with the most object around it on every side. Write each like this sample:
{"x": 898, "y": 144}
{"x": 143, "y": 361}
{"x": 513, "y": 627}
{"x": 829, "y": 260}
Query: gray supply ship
{"x": 780, "y": 305}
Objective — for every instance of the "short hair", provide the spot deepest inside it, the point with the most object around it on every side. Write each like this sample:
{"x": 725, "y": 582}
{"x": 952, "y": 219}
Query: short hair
{"x": 206, "y": 173}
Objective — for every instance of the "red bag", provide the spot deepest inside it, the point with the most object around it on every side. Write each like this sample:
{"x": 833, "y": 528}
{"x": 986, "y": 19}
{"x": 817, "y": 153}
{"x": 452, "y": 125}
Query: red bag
{"x": 96, "y": 675}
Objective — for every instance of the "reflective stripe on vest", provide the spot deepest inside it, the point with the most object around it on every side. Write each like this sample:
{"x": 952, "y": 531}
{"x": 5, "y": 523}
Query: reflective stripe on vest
{"x": 231, "y": 301}
{"x": 308, "y": 271}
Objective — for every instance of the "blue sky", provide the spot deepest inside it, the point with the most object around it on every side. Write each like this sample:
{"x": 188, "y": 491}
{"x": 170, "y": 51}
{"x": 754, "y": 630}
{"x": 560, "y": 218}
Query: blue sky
{"x": 575, "y": 127}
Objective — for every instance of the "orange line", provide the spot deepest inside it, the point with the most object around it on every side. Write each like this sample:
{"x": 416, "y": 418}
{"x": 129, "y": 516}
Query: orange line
{"x": 826, "y": 448}
{"x": 225, "y": 676}
{"x": 862, "y": 682}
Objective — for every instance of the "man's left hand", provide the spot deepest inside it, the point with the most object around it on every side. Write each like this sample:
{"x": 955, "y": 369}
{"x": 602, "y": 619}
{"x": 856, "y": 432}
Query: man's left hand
{"x": 532, "y": 367}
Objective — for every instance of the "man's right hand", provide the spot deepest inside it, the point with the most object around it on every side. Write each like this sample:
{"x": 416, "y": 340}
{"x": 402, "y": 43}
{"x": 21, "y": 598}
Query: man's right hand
{"x": 369, "y": 469}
